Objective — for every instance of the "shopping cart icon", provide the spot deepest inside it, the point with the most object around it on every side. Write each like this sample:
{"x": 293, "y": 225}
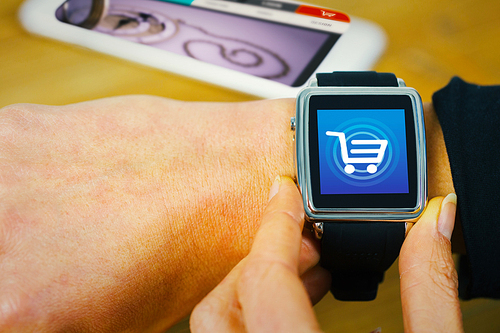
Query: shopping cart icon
{"x": 371, "y": 161}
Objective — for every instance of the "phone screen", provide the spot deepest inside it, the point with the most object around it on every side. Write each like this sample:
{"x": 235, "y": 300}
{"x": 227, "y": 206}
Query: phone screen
{"x": 283, "y": 42}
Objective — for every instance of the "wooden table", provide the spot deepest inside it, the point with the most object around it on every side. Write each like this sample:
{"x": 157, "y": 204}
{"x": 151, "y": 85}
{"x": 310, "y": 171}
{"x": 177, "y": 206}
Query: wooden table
{"x": 429, "y": 42}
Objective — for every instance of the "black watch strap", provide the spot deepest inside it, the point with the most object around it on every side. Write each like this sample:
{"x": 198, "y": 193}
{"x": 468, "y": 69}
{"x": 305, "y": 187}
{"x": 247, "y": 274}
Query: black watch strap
{"x": 357, "y": 79}
{"x": 358, "y": 253}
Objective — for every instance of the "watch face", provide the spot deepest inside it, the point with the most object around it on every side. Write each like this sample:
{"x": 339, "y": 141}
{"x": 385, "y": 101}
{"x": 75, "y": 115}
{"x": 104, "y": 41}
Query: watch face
{"x": 362, "y": 151}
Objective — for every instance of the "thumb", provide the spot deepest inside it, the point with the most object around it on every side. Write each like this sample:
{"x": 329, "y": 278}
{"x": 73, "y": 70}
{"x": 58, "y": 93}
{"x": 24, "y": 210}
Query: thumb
{"x": 429, "y": 283}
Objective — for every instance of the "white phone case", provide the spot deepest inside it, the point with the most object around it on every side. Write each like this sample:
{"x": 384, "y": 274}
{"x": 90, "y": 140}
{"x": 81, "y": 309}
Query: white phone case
{"x": 357, "y": 49}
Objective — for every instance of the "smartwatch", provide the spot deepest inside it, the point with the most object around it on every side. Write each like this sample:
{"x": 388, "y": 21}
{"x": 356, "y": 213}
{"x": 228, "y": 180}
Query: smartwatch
{"x": 361, "y": 169}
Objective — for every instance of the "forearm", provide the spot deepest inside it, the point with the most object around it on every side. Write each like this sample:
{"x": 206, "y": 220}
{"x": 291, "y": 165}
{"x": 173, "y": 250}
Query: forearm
{"x": 139, "y": 206}
{"x": 136, "y": 206}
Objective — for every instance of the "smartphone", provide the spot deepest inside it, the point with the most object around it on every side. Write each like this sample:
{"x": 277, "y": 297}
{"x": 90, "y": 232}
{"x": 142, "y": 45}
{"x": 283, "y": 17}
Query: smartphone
{"x": 265, "y": 48}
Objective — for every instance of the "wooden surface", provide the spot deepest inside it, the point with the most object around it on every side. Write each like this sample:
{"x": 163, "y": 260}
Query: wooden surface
{"x": 429, "y": 42}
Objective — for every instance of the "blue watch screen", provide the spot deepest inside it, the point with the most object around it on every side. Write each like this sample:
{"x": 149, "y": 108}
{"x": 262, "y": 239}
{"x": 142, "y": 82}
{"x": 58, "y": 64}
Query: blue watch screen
{"x": 362, "y": 151}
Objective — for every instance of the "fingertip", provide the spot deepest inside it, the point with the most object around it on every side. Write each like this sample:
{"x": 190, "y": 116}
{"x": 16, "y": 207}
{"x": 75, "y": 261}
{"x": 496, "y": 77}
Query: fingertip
{"x": 428, "y": 219}
{"x": 422, "y": 235}
{"x": 287, "y": 181}
{"x": 450, "y": 198}
{"x": 285, "y": 197}
{"x": 274, "y": 188}
{"x": 279, "y": 183}
{"x": 438, "y": 218}
{"x": 432, "y": 210}
{"x": 446, "y": 220}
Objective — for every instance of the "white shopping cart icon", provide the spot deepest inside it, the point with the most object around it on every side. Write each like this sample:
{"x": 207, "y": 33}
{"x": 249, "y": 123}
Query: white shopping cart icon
{"x": 349, "y": 161}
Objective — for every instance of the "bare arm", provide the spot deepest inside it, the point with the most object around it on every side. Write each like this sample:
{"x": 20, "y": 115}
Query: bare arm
{"x": 123, "y": 213}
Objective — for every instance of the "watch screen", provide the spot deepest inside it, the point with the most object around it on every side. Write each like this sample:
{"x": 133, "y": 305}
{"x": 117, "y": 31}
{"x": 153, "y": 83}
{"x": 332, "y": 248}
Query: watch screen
{"x": 362, "y": 151}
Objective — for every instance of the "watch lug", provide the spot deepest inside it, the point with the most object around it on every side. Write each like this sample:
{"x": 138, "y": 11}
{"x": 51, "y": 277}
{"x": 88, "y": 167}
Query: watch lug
{"x": 318, "y": 229}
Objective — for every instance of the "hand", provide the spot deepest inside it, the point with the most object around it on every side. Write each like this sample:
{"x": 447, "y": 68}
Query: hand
{"x": 264, "y": 293}
{"x": 123, "y": 213}
{"x": 429, "y": 282}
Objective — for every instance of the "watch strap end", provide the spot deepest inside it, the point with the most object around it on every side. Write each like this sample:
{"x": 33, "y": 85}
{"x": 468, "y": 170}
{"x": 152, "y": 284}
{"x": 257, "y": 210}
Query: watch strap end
{"x": 358, "y": 287}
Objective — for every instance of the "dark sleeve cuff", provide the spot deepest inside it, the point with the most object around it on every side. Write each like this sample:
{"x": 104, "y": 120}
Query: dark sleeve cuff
{"x": 470, "y": 118}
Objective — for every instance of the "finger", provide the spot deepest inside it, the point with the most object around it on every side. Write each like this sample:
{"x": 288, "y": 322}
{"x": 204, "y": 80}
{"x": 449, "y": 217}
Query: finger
{"x": 219, "y": 311}
{"x": 271, "y": 294}
{"x": 429, "y": 285}
{"x": 309, "y": 251}
{"x": 317, "y": 282}
{"x": 280, "y": 233}
{"x": 289, "y": 205}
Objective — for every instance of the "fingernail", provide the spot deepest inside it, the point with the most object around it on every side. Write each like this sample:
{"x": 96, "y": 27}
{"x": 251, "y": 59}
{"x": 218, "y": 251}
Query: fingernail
{"x": 446, "y": 220}
{"x": 275, "y": 188}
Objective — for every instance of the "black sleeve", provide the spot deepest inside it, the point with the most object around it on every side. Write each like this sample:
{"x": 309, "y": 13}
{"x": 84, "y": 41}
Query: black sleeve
{"x": 470, "y": 119}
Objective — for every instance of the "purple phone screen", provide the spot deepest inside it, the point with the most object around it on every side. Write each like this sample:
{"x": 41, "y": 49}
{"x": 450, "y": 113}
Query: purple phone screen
{"x": 280, "y": 52}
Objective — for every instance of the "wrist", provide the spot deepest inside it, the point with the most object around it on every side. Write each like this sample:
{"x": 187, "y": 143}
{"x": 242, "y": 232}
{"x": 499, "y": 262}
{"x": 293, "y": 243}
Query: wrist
{"x": 440, "y": 182}
{"x": 247, "y": 146}
{"x": 223, "y": 173}
{"x": 438, "y": 166}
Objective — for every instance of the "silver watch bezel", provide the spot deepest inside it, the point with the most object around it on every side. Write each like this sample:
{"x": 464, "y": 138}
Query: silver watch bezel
{"x": 302, "y": 166}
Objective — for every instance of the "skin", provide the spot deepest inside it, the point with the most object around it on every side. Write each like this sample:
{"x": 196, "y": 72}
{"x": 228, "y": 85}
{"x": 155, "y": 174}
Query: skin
{"x": 121, "y": 214}
{"x": 429, "y": 281}
{"x": 264, "y": 293}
